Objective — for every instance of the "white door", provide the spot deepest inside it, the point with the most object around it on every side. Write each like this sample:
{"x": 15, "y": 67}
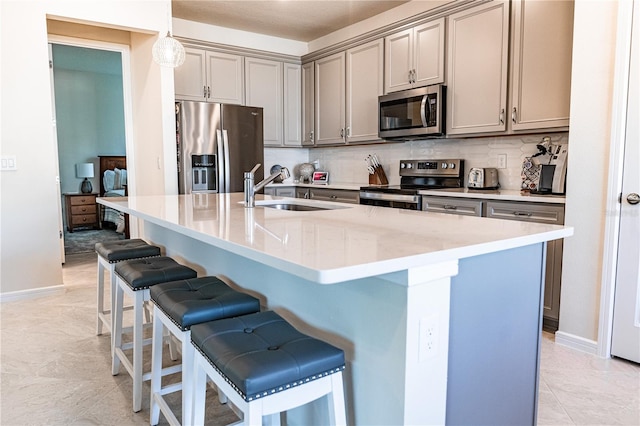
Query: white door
{"x": 625, "y": 342}
{"x": 55, "y": 141}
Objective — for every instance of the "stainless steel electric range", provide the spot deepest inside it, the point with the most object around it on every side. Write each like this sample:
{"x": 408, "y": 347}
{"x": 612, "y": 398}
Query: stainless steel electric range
{"x": 415, "y": 175}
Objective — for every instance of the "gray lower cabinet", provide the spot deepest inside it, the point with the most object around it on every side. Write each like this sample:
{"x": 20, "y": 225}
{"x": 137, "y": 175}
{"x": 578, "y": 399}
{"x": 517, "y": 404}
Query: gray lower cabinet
{"x": 541, "y": 213}
{"x": 338, "y": 195}
{"x": 318, "y": 194}
{"x": 285, "y": 191}
{"x": 452, "y": 205}
{"x": 523, "y": 211}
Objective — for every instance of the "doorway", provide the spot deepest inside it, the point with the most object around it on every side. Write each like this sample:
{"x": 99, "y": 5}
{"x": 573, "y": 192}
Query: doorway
{"x": 89, "y": 91}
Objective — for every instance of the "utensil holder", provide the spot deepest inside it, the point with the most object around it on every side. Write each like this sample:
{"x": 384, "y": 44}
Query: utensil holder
{"x": 378, "y": 177}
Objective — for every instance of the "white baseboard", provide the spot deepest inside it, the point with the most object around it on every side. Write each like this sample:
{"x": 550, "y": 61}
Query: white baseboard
{"x": 576, "y": 342}
{"x": 31, "y": 293}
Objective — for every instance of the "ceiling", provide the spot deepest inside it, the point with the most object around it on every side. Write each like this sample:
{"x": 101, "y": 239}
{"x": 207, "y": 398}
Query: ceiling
{"x": 302, "y": 20}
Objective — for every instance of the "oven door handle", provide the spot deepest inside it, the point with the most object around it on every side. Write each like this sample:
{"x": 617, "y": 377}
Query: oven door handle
{"x": 414, "y": 199}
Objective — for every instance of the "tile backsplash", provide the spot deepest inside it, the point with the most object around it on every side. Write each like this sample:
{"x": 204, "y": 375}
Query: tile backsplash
{"x": 347, "y": 165}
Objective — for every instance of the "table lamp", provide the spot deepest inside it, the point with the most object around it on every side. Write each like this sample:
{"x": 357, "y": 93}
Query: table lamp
{"x": 85, "y": 170}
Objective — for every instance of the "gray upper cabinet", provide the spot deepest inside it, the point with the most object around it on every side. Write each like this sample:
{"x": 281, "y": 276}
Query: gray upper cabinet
{"x": 292, "y": 104}
{"x": 225, "y": 74}
{"x": 263, "y": 81}
{"x": 190, "y": 79}
{"x": 308, "y": 103}
{"x": 210, "y": 76}
{"x": 364, "y": 85}
{"x": 347, "y": 86}
{"x": 541, "y": 66}
{"x": 415, "y": 57}
{"x": 477, "y": 69}
{"x": 330, "y": 100}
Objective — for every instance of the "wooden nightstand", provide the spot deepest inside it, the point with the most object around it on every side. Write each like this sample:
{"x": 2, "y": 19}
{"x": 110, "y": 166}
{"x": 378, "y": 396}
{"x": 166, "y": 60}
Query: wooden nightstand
{"x": 81, "y": 211}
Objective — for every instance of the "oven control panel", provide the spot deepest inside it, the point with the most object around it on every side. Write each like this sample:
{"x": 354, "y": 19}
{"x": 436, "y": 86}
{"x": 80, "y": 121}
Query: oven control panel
{"x": 444, "y": 167}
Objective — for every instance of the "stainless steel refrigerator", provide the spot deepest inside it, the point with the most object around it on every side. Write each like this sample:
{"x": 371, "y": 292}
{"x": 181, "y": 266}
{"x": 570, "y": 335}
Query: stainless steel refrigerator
{"x": 216, "y": 144}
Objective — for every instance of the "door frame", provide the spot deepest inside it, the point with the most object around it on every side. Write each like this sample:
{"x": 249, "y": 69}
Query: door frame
{"x": 125, "y": 55}
{"x": 616, "y": 158}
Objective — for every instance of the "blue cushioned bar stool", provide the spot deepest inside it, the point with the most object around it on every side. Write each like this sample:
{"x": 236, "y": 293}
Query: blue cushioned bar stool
{"x": 110, "y": 253}
{"x": 265, "y": 366}
{"x": 134, "y": 278}
{"x": 177, "y": 306}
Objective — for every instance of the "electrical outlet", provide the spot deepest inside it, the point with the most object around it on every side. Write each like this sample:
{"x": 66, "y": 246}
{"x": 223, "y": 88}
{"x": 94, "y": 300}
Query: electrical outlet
{"x": 502, "y": 161}
{"x": 429, "y": 334}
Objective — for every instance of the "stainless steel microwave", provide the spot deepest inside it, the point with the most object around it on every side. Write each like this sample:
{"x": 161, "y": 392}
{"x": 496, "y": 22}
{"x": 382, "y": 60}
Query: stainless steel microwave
{"x": 412, "y": 114}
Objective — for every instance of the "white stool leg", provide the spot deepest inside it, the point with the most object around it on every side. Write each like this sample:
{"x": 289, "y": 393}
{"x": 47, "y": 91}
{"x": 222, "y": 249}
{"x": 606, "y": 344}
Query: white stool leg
{"x": 116, "y": 333}
{"x": 156, "y": 367}
{"x": 337, "y": 415}
{"x": 187, "y": 378}
{"x": 199, "y": 391}
{"x": 100, "y": 301}
{"x": 137, "y": 349}
{"x": 253, "y": 415}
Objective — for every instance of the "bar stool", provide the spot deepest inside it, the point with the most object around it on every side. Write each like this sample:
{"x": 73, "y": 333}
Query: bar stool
{"x": 265, "y": 366}
{"x": 177, "y": 306}
{"x": 134, "y": 278}
{"x": 110, "y": 253}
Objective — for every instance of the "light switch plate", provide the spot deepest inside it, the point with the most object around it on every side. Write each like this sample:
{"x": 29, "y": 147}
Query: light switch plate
{"x": 8, "y": 162}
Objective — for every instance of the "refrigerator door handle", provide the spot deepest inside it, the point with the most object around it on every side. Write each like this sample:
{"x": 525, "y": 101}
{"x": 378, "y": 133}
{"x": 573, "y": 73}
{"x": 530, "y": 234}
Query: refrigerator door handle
{"x": 227, "y": 172}
{"x": 221, "y": 165}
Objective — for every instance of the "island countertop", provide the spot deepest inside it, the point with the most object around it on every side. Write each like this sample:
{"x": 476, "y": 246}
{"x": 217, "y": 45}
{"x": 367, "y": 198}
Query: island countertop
{"x": 328, "y": 246}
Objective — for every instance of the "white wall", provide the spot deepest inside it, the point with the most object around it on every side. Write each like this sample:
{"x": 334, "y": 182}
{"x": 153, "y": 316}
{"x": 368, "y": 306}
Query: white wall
{"x": 29, "y": 248}
{"x": 228, "y": 36}
{"x": 594, "y": 42}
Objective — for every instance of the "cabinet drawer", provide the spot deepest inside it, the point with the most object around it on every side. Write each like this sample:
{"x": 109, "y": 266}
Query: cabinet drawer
{"x": 83, "y": 209}
{"x": 82, "y": 219}
{"x": 83, "y": 199}
{"x": 527, "y": 212}
{"x": 338, "y": 195}
{"x": 452, "y": 206}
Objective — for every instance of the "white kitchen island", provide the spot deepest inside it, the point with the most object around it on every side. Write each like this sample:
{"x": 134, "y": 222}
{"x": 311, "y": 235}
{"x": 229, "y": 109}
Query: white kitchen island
{"x": 439, "y": 315}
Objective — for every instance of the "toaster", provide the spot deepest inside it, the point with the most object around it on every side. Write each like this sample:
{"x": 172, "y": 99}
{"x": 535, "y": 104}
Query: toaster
{"x": 483, "y": 178}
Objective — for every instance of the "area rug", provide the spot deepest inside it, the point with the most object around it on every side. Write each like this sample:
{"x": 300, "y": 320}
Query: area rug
{"x": 85, "y": 241}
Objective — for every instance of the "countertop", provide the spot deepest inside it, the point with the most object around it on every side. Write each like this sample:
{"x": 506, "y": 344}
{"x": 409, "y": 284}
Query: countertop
{"x": 484, "y": 194}
{"x": 329, "y": 246}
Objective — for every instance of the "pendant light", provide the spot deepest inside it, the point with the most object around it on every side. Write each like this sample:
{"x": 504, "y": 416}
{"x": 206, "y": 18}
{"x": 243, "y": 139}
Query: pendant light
{"x": 167, "y": 51}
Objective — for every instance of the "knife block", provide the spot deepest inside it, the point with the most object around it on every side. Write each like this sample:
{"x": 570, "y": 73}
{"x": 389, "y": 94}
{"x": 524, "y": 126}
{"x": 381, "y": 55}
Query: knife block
{"x": 378, "y": 177}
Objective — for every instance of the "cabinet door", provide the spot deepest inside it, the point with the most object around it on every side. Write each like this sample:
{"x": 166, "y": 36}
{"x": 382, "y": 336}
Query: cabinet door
{"x": 452, "y": 206}
{"x": 477, "y": 69}
{"x": 330, "y": 100}
{"x": 398, "y": 61}
{"x": 190, "y": 79}
{"x": 308, "y": 103}
{"x": 263, "y": 82}
{"x": 225, "y": 74}
{"x": 289, "y": 191}
{"x": 292, "y": 105}
{"x": 552, "y": 214}
{"x": 429, "y": 53}
{"x": 364, "y": 85}
{"x": 337, "y": 195}
{"x": 541, "y": 71}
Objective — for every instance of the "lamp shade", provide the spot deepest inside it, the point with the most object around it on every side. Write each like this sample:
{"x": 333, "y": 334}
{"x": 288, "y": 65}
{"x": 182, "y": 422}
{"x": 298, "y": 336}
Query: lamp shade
{"x": 168, "y": 52}
{"x": 84, "y": 170}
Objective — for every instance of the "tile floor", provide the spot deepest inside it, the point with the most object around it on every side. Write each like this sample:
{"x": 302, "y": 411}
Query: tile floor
{"x": 55, "y": 371}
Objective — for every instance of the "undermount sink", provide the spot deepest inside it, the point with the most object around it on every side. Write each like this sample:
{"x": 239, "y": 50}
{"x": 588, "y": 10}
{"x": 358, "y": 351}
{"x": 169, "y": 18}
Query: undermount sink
{"x": 292, "y": 206}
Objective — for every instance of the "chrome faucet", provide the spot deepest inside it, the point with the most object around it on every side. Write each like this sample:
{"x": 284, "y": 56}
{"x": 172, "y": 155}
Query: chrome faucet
{"x": 250, "y": 189}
